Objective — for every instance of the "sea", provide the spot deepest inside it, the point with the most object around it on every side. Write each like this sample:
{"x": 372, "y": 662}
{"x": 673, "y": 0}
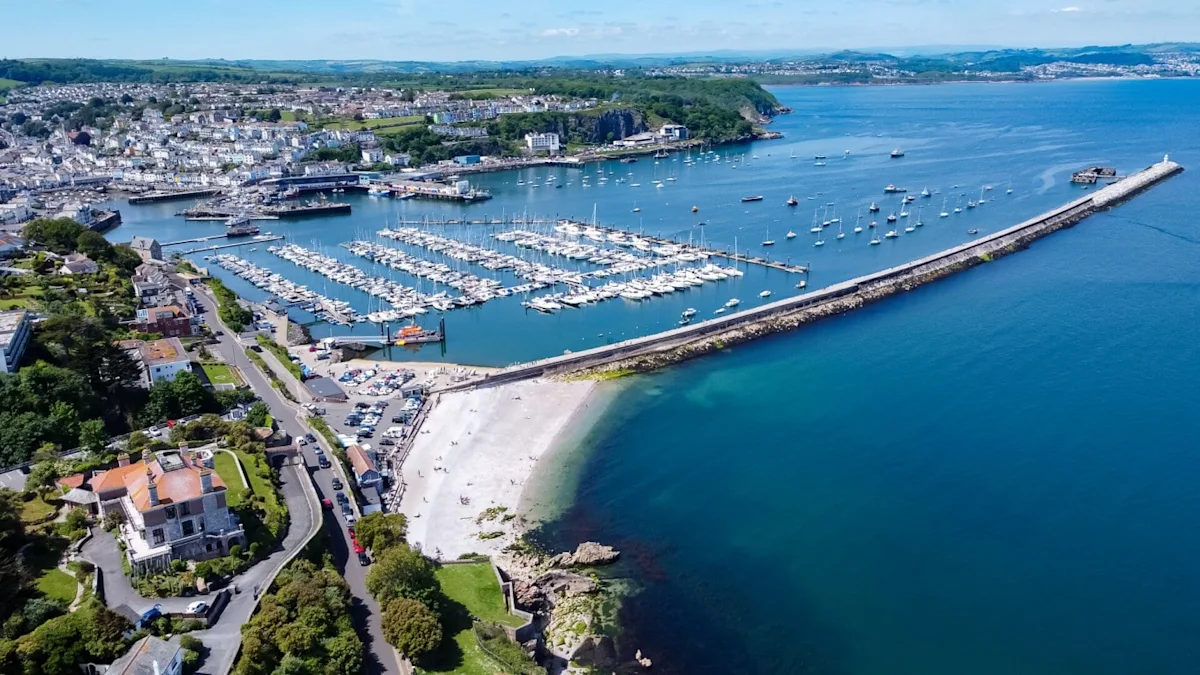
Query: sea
{"x": 995, "y": 473}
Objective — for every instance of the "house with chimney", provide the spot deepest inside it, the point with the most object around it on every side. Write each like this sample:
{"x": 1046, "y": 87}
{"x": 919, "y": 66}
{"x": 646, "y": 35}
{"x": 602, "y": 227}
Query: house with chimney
{"x": 172, "y": 507}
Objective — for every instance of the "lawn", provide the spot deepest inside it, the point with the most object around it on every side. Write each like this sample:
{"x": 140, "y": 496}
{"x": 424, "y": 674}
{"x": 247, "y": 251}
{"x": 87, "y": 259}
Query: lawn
{"x": 37, "y": 509}
{"x": 475, "y": 586}
{"x": 6, "y": 83}
{"x": 226, "y": 468}
{"x": 218, "y": 373}
{"x": 391, "y": 131}
{"x": 57, "y": 585}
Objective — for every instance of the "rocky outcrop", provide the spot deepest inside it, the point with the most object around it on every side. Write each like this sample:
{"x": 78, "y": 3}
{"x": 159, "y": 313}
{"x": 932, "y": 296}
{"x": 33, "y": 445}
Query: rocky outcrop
{"x": 587, "y": 554}
{"x": 596, "y": 652}
{"x": 547, "y": 590}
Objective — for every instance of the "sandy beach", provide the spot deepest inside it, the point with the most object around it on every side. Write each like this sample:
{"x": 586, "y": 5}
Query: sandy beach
{"x": 475, "y": 452}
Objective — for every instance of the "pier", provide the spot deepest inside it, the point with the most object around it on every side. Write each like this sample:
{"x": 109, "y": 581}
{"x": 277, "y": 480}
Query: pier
{"x": 654, "y": 351}
{"x": 243, "y": 242}
{"x": 266, "y": 213}
{"x": 174, "y": 195}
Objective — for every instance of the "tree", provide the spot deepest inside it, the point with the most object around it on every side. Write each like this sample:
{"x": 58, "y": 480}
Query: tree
{"x": 53, "y": 649}
{"x": 256, "y": 416}
{"x": 274, "y": 115}
{"x": 57, "y": 234}
{"x": 94, "y": 245}
{"x": 92, "y": 436}
{"x": 380, "y": 531}
{"x": 344, "y": 655}
{"x": 401, "y": 572}
{"x": 43, "y": 475}
{"x": 38, "y": 611}
{"x": 411, "y": 627}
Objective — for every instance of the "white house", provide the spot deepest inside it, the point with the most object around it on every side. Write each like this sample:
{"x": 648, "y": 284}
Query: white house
{"x": 547, "y": 142}
{"x": 163, "y": 359}
{"x": 14, "y": 336}
{"x": 78, "y": 263}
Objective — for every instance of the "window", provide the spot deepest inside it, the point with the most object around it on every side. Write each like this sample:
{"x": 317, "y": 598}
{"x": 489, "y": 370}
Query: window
{"x": 170, "y": 511}
{"x": 185, "y": 509}
{"x": 201, "y": 521}
{"x": 188, "y": 528}
{"x": 158, "y": 536}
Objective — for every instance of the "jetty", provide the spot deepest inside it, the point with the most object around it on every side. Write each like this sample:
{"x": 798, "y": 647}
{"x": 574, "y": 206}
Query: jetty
{"x": 267, "y": 212}
{"x": 241, "y": 242}
{"x": 172, "y": 195}
{"x": 655, "y": 351}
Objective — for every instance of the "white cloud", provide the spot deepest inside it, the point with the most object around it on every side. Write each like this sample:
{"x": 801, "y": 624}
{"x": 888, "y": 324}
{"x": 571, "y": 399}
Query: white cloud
{"x": 560, "y": 32}
{"x": 1067, "y": 9}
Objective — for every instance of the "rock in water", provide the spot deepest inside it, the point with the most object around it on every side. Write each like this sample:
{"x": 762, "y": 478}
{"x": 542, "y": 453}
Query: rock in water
{"x": 596, "y": 652}
{"x": 564, "y": 584}
{"x": 587, "y": 554}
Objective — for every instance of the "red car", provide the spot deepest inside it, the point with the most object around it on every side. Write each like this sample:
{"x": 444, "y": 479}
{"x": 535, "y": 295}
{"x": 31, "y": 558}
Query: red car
{"x": 326, "y": 504}
{"x": 358, "y": 548}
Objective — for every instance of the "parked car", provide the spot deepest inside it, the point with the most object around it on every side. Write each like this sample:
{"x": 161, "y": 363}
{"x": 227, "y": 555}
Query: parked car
{"x": 301, "y": 442}
{"x": 337, "y": 483}
{"x": 310, "y": 438}
{"x": 341, "y": 497}
{"x": 323, "y": 461}
{"x": 363, "y": 559}
{"x": 346, "y": 505}
{"x": 312, "y": 348}
{"x": 350, "y": 518}
{"x": 253, "y": 348}
{"x": 326, "y": 504}
{"x": 197, "y": 607}
{"x": 387, "y": 441}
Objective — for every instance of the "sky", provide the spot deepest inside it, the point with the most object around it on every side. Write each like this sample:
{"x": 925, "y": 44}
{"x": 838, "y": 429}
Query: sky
{"x": 463, "y": 30}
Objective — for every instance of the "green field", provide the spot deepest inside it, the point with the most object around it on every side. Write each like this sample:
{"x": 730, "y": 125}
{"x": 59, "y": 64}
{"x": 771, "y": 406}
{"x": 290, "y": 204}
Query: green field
{"x": 226, "y": 468}
{"x": 57, "y": 585}
{"x": 475, "y": 586}
{"x": 382, "y": 122}
{"x": 37, "y": 509}
{"x": 6, "y": 83}
{"x": 218, "y": 373}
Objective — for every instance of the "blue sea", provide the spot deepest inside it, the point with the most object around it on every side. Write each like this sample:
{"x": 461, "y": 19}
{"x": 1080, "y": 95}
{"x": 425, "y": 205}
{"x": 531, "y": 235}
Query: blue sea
{"x": 997, "y": 473}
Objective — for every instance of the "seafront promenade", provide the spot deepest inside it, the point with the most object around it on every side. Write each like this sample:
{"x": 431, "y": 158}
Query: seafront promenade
{"x": 654, "y": 351}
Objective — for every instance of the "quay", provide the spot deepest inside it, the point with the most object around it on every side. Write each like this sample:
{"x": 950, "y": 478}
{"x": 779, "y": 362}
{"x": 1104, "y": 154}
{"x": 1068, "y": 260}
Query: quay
{"x": 267, "y": 213}
{"x": 173, "y": 195}
{"x": 655, "y": 351}
{"x": 459, "y": 192}
{"x": 244, "y": 242}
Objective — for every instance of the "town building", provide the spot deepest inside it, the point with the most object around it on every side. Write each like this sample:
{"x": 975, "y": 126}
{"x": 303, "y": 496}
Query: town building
{"x": 162, "y": 359}
{"x": 363, "y": 463}
{"x": 11, "y": 245}
{"x": 673, "y": 132}
{"x": 547, "y": 142}
{"x": 151, "y": 286}
{"x": 170, "y": 321}
{"x": 146, "y": 248}
{"x": 149, "y": 656}
{"x": 14, "y": 336}
{"x": 78, "y": 263}
{"x": 172, "y": 506}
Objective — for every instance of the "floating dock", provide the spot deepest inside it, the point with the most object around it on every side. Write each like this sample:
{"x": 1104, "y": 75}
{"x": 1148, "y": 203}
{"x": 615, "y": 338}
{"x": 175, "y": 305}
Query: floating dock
{"x": 240, "y": 242}
{"x": 655, "y": 351}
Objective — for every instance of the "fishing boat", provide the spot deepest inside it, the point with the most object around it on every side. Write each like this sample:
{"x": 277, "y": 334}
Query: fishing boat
{"x": 379, "y": 191}
{"x": 897, "y": 153}
{"x": 873, "y": 208}
{"x": 792, "y": 201}
{"x": 755, "y": 198}
{"x": 732, "y": 302}
{"x": 972, "y": 231}
{"x": 892, "y": 189}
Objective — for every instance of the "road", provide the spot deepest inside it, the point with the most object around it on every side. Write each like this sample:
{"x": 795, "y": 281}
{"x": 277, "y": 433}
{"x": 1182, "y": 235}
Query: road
{"x": 380, "y": 657}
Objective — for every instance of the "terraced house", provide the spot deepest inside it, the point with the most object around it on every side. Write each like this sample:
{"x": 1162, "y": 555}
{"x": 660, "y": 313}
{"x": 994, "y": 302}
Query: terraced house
{"x": 172, "y": 506}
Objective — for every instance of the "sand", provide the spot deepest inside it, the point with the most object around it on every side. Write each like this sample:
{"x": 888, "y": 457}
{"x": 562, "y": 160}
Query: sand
{"x": 481, "y": 445}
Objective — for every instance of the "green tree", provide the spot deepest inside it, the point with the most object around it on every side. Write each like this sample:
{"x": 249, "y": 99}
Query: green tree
{"x": 94, "y": 245}
{"x": 411, "y": 627}
{"x": 54, "y": 648}
{"x": 92, "y": 436}
{"x": 57, "y": 234}
{"x": 380, "y": 531}
{"x": 401, "y": 572}
{"x": 43, "y": 475}
{"x": 256, "y": 416}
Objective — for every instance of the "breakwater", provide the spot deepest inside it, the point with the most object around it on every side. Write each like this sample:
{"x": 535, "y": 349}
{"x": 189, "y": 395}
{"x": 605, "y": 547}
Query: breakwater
{"x": 154, "y": 197}
{"x": 655, "y": 351}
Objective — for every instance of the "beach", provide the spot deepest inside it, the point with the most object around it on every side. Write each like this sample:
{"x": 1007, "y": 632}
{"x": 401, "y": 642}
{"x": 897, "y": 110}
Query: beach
{"x": 472, "y": 458}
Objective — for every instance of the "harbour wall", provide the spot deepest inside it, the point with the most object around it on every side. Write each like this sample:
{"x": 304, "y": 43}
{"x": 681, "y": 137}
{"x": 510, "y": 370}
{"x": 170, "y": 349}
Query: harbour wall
{"x": 661, "y": 349}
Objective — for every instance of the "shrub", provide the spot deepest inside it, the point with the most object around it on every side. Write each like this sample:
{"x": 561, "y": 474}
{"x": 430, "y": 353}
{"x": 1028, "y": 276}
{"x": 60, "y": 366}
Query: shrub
{"x": 192, "y": 643}
{"x": 411, "y": 627}
{"x": 235, "y": 551}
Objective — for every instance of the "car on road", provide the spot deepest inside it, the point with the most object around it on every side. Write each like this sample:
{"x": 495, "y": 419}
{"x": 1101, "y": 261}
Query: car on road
{"x": 337, "y": 483}
{"x": 326, "y": 504}
{"x": 310, "y": 438}
{"x": 341, "y": 497}
{"x": 350, "y": 518}
{"x": 363, "y": 559}
{"x": 255, "y": 348}
{"x": 219, "y": 333}
{"x": 197, "y": 607}
{"x": 323, "y": 461}
{"x": 387, "y": 441}
{"x": 312, "y": 348}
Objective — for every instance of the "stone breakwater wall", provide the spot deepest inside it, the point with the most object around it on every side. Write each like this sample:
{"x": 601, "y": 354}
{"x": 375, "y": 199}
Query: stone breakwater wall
{"x": 655, "y": 351}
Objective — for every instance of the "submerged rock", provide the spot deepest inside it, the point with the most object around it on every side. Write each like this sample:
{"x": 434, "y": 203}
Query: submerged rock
{"x": 559, "y": 584}
{"x": 596, "y": 652}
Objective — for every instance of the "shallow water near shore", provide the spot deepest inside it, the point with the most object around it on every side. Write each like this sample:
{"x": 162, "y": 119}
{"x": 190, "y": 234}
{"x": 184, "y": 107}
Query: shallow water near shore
{"x": 993, "y": 474}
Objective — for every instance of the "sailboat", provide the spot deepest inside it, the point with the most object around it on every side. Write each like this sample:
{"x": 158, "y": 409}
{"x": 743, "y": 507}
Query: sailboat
{"x": 768, "y": 241}
{"x": 816, "y": 227}
{"x": 1009, "y": 190}
{"x": 857, "y": 225}
{"x": 943, "y": 214}
{"x": 925, "y": 192}
{"x": 840, "y": 234}
{"x": 790, "y": 235}
{"x": 792, "y": 201}
{"x": 919, "y": 221}
{"x": 981, "y": 201}
{"x": 873, "y": 208}
{"x": 957, "y": 208}
{"x": 875, "y": 241}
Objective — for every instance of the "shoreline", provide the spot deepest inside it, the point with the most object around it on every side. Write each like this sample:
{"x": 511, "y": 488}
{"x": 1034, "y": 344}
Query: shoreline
{"x": 468, "y": 469}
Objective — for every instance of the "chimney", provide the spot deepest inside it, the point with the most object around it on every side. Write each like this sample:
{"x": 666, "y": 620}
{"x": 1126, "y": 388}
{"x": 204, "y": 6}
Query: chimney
{"x": 151, "y": 487}
{"x": 183, "y": 447}
{"x": 123, "y": 459}
{"x": 206, "y": 480}
{"x": 146, "y": 457}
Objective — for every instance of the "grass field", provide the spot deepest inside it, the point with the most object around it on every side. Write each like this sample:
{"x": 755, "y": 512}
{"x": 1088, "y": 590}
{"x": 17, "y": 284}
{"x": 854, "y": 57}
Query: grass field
{"x": 383, "y": 122}
{"x": 57, "y": 585}
{"x": 36, "y": 509}
{"x": 6, "y": 83}
{"x": 218, "y": 373}
{"x": 226, "y": 468}
{"x": 475, "y": 586}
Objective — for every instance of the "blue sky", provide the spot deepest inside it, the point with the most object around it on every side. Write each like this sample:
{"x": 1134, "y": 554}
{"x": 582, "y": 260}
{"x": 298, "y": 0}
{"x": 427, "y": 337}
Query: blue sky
{"x": 496, "y": 30}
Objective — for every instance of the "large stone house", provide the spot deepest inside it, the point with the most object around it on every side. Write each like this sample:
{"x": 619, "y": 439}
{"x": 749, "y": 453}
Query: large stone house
{"x": 173, "y": 507}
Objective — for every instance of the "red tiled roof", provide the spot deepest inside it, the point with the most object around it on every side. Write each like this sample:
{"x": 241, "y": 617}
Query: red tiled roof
{"x": 173, "y": 486}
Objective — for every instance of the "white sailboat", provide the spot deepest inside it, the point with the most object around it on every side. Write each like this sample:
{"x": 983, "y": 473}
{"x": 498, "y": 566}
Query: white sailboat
{"x": 858, "y": 225}
{"x": 943, "y": 214}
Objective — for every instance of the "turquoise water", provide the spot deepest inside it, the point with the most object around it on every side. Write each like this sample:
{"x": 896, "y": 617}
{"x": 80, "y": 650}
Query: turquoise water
{"x": 957, "y": 139}
{"x": 993, "y": 474}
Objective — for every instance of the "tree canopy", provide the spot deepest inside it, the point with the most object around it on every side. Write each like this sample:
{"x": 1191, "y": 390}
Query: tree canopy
{"x": 57, "y": 234}
{"x": 411, "y": 627}
{"x": 402, "y": 572}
